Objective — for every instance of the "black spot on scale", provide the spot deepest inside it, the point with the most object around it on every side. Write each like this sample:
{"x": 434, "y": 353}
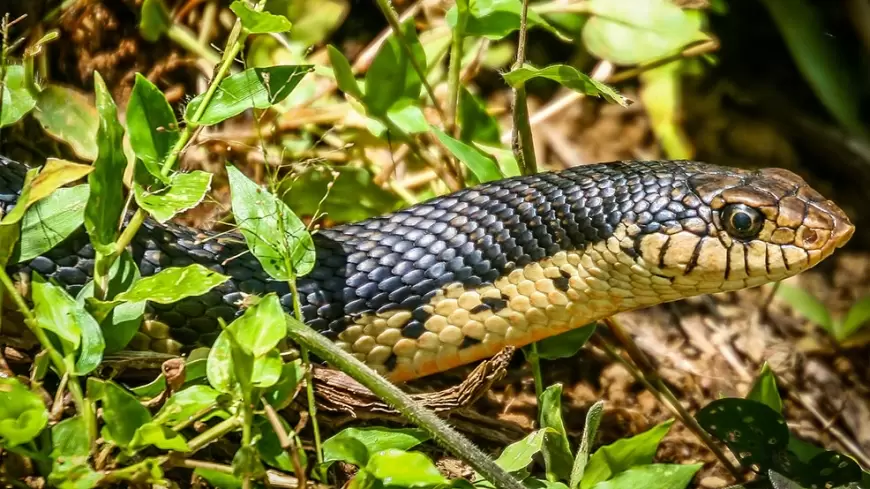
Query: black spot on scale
{"x": 562, "y": 283}
{"x": 413, "y": 329}
{"x": 494, "y": 304}
{"x": 390, "y": 363}
{"x": 468, "y": 342}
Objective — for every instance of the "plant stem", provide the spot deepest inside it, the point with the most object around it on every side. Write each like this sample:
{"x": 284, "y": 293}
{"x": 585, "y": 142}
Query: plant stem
{"x": 182, "y": 36}
{"x": 393, "y": 19}
{"x": 237, "y": 40}
{"x": 454, "y": 71}
{"x": 435, "y": 426}
{"x": 214, "y": 433}
{"x": 521, "y": 134}
{"x": 535, "y": 362}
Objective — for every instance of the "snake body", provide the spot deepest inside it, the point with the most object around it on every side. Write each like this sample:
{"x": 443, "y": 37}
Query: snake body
{"x": 455, "y": 279}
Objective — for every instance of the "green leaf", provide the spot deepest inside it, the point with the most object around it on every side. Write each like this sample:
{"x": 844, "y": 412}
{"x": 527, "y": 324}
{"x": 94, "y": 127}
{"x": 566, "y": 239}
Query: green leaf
{"x": 22, "y": 413}
{"x": 623, "y": 454}
{"x": 568, "y": 77}
{"x": 18, "y": 99}
{"x": 518, "y": 455}
{"x": 590, "y": 430}
{"x": 857, "y": 317}
{"x": 275, "y": 236}
{"x": 219, "y": 479}
{"x": 185, "y": 191}
{"x": 280, "y": 395}
{"x": 10, "y": 230}
{"x": 182, "y": 405}
{"x": 122, "y": 413}
{"x": 753, "y": 431}
{"x": 475, "y": 123}
{"x": 68, "y": 115}
{"x": 565, "y": 345}
{"x": 259, "y": 22}
{"x": 398, "y": 468}
{"x": 357, "y": 445}
{"x": 54, "y": 311}
{"x": 195, "y": 370}
{"x": 258, "y": 88}
{"x": 70, "y": 451}
{"x": 495, "y": 19}
{"x": 172, "y": 284}
{"x": 106, "y": 200}
{"x": 246, "y": 463}
{"x": 159, "y": 436}
{"x": 267, "y": 369}
{"x": 261, "y": 326}
{"x": 764, "y": 389}
{"x": 269, "y": 446}
{"x": 343, "y": 73}
{"x": 482, "y": 165}
{"x": 391, "y": 76}
{"x": 152, "y": 125}
{"x": 351, "y": 194}
{"x": 654, "y": 476}
{"x": 556, "y": 448}
{"x": 119, "y": 322}
{"x": 806, "y": 305}
{"x": 632, "y": 32}
{"x": 230, "y": 366}
{"x": 155, "y": 20}
{"x": 50, "y": 221}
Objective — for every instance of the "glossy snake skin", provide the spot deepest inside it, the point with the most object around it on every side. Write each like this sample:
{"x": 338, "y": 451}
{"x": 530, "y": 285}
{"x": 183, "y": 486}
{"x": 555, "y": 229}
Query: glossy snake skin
{"x": 455, "y": 279}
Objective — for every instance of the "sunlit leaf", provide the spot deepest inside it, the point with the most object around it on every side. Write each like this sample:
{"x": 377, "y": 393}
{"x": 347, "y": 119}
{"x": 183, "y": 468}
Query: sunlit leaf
{"x": 275, "y": 235}
{"x": 18, "y": 99}
{"x": 391, "y": 76}
{"x": 259, "y": 22}
{"x": 50, "y": 221}
{"x": 122, "y": 413}
{"x": 565, "y": 345}
{"x": 159, "y": 436}
{"x": 856, "y": 318}
{"x": 518, "y": 455}
{"x": 172, "y": 284}
{"x": 155, "y": 20}
{"x": 152, "y": 125}
{"x": 398, "y": 468}
{"x": 343, "y": 73}
{"x": 475, "y": 123}
{"x": 495, "y": 19}
{"x": 590, "y": 431}
{"x": 655, "y": 476}
{"x": 357, "y": 445}
{"x": 185, "y": 191}
{"x": 623, "y": 454}
{"x": 22, "y": 413}
{"x": 806, "y": 305}
{"x": 568, "y": 77}
{"x": 556, "y": 448}
{"x": 764, "y": 389}
{"x": 482, "y": 165}
{"x": 68, "y": 115}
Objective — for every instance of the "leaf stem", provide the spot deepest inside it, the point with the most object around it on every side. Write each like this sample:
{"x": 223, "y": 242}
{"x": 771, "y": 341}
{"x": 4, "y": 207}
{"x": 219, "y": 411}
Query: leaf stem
{"x": 214, "y": 433}
{"x": 535, "y": 362}
{"x": 455, "y": 70}
{"x": 435, "y": 426}
{"x": 521, "y": 134}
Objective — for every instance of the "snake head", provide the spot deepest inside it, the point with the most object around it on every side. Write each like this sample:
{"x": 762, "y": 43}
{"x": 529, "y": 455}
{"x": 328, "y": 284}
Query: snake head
{"x": 752, "y": 227}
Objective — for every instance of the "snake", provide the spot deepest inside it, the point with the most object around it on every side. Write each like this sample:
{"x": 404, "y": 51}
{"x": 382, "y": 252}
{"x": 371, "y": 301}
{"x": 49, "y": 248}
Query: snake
{"x": 457, "y": 278}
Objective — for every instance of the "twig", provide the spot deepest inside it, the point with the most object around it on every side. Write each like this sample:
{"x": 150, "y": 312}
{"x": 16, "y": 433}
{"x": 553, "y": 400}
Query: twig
{"x": 521, "y": 133}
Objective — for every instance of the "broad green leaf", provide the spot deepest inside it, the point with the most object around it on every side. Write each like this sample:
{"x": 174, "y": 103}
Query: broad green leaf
{"x": 357, "y": 445}
{"x": 185, "y": 191}
{"x": 246, "y": 463}
{"x": 623, "y": 454}
{"x": 54, "y": 311}
{"x": 269, "y": 446}
{"x": 313, "y": 20}
{"x": 857, "y": 317}
{"x": 475, "y": 123}
{"x": 70, "y": 451}
{"x": 806, "y": 305}
{"x": 398, "y": 468}
{"x": 122, "y": 413}
{"x": 661, "y": 93}
{"x": 568, "y": 77}
{"x": 152, "y": 126}
{"x": 230, "y": 366}
{"x": 267, "y": 369}
{"x": 93, "y": 344}
{"x": 350, "y": 194}
{"x": 343, "y": 73}
{"x": 631, "y": 32}
{"x": 182, "y": 405}
{"x": 506, "y": 159}
{"x": 280, "y": 395}
{"x": 482, "y": 165}
{"x": 275, "y": 235}
{"x": 764, "y": 389}
{"x": 261, "y": 326}
{"x": 590, "y": 430}
{"x": 159, "y": 436}
{"x": 258, "y": 88}
{"x": 18, "y": 99}
{"x": 118, "y": 321}
{"x": 50, "y": 221}
{"x": 154, "y": 22}
{"x": 495, "y": 19}
{"x": 565, "y": 345}
{"x": 754, "y": 432}
{"x": 654, "y": 476}
{"x": 106, "y": 200}
{"x": 170, "y": 285}
{"x": 68, "y": 115}
{"x": 22, "y": 413}
{"x": 518, "y": 455}
{"x": 259, "y": 22}
{"x": 391, "y": 76}
{"x": 556, "y": 448}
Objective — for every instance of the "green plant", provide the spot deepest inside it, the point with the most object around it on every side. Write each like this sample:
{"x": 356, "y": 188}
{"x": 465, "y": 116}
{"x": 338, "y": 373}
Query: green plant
{"x": 840, "y": 328}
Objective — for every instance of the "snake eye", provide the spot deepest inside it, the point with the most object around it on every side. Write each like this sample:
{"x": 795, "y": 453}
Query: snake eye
{"x": 742, "y": 221}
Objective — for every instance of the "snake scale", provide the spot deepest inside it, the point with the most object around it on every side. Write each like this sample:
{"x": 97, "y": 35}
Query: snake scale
{"x": 455, "y": 279}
